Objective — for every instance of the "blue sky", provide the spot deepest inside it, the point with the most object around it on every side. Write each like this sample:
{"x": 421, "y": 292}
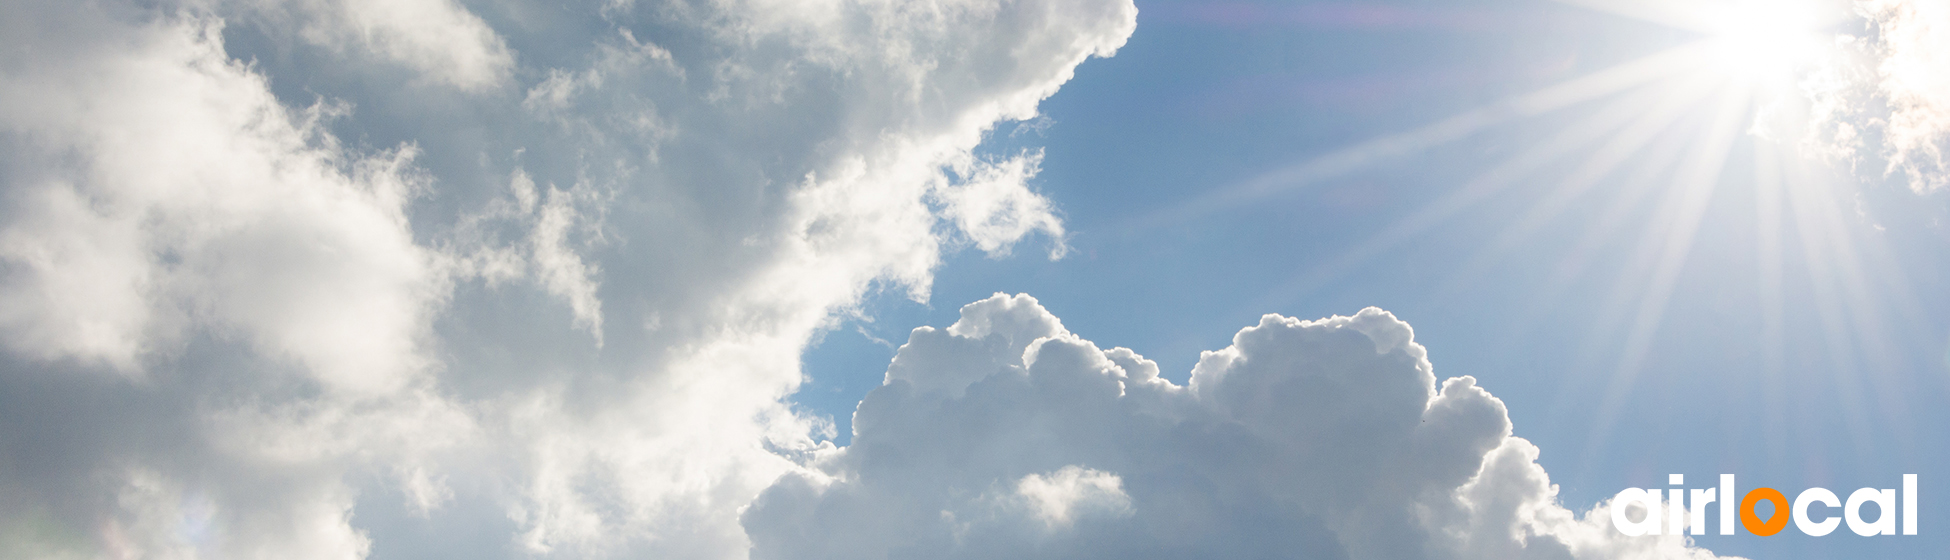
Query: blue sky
{"x": 1377, "y": 279}
{"x": 1208, "y": 96}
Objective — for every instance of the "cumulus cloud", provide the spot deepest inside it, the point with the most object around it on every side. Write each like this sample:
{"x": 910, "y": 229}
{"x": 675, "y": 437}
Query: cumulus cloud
{"x": 1070, "y": 492}
{"x": 1319, "y": 439}
{"x": 573, "y": 296}
{"x": 164, "y": 215}
{"x": 157, "y": 184}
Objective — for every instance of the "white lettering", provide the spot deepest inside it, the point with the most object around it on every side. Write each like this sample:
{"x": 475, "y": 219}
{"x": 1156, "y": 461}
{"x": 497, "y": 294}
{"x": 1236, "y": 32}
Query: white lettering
{"x": 1885, "y": 523}
{"x": 1620, "y": 504}
{"x": 1801, "y": 503}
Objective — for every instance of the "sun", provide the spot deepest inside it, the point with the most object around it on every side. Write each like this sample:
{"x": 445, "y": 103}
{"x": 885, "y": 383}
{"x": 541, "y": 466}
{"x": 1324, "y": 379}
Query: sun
{"x": 1744, "y": 38}
{"x": 1764, "y": 39}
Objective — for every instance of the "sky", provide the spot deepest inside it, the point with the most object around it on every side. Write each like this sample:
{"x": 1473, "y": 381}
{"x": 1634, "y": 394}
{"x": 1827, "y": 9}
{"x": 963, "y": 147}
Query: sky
{"x": 763, "y": 279}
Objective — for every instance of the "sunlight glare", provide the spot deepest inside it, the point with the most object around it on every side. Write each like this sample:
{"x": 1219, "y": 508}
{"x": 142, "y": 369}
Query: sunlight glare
{"x": 1764, "y": 40}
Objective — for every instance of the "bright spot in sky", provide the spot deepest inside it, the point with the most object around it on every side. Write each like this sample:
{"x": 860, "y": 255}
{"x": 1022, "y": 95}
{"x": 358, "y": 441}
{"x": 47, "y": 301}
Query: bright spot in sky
{"x": 1764, "y": 39}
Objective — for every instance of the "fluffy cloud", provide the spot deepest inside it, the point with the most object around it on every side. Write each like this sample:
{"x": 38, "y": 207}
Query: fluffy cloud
{"x": 166, "y": 217}
{"x": 1006, "y": 436}
{"x": 156, "y": 184}
{"x": 1912, "y": 42}
{"x": 572, "y": 291}
{"x": 1880, "y": 97}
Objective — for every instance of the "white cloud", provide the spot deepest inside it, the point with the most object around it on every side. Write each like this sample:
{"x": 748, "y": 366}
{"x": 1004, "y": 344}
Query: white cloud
{"x": 440, "y": 40}
{"x": 586, "y": 321}
{"x": 800, "y": 177}
{"x": 1059, "y": 497}
{"x": 554, "y": 224}
{"x": 1912, "y": 44}
{"x": 1325, "y": 438}
{"x": 993, "y": 208}
{"x": 1883, "y": 96}
{"x": 160, "y": 186}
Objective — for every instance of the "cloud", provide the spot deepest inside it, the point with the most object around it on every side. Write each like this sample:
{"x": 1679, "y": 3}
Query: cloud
{"x": 1320, "y": 439}
{"x": 161, "y": 186}
{"x": 263, "y": 297}
{"x": 158, "y": 185}
{"x": 547, "y": 252}
{"x": 260, "y": 290}
{"x": 1912, "y": 42}
{"x": 440, "y": 40}
{"x": 1879, "y": 97}
{"x": 1071, "y": 492}
{"x": 166, "y": 215}
{"x": 993, "y": 210}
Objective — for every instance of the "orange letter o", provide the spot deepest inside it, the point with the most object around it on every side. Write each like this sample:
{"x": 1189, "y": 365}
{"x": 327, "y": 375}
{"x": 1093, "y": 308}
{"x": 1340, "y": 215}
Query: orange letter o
{"x": 1774, "y": 523}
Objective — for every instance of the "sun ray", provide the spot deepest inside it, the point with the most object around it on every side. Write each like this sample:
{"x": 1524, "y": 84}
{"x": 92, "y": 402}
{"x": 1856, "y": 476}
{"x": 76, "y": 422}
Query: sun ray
{"x": 1659, "y": 158}
{"x": 1669, "y": 245}
{"x": 1621, "y": 209}
{"x": 1856, "y": 283}
{"x": 1621, "y": 77}
{"x": 1825, "y": 244}
{"x": 1673, "y": 64}
{"x": 1684, "y": 209}
{"x": 1630, "y": 141}
{"x": 1440, "y": 211}
{"x": 1681, "y": 14}
{"x": 1768, "y": 190}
